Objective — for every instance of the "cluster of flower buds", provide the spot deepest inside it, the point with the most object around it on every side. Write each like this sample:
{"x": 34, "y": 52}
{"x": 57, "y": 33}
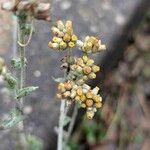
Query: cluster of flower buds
{"x": 88, "y": 98}
{"x": 63, "y": 36}
{"x": 38, "y": 10}
{"x": 86, "y": 67}
{"x": 65, "y": 90}
{"x": 91, "y": 44}
{"x": 3, "y": 68}
{"x": 79, "y": 69}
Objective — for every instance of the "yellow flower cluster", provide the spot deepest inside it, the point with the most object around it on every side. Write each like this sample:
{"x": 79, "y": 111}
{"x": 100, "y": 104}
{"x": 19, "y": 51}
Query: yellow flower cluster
{"x": 91, "y": 44}
{"x": 63, "y": 36}
{"x": 65, "y": 90}
{"x": 85, "y": 66}
{"x": 88, "y": 98}
{"x": 3, "y": 68}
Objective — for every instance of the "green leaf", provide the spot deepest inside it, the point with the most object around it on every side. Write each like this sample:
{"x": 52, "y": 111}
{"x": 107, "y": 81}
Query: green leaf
{"x": 60, "y": 80}
{"x": 67, "y": 120}
{"x": 25, "y": 91}
{"x": 12, "y": 82}
{"x": 13, "y": 119}
{"x": 17, "y": 64}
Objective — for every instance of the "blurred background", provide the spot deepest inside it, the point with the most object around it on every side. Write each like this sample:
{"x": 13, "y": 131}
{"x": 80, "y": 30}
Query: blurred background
{"x": 124, "y": 121}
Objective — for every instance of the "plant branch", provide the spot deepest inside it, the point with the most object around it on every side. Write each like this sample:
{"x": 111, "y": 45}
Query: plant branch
{"x": 61, "y": 125}
{"x": 71, "y": 125}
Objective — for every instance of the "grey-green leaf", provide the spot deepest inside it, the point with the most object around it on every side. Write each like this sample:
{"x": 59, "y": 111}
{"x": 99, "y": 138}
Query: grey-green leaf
{"x": 16, "y": 63}
{"x": 25, "y": 91}
{"x": 13, "y": 119}
{"x": 12, "y": 82}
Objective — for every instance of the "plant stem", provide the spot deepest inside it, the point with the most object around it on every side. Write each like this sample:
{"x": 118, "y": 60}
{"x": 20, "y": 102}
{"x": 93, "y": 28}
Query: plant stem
{"x": 61, "y": 125}
{"x": 21, "y": 77}
{"x": 63, "y": 109}
{"x": 71, "y": 125}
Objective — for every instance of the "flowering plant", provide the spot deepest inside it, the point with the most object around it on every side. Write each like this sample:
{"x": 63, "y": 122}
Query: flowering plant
{"x": 72, "y": 88}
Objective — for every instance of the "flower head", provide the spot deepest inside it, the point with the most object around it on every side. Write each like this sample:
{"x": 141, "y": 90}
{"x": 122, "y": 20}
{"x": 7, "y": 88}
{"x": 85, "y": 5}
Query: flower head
{"x": 88, "y": 98}
{"x": 86, "y": 67}
{"x": 63, "y": 36}
{"x": 91, "y": 44}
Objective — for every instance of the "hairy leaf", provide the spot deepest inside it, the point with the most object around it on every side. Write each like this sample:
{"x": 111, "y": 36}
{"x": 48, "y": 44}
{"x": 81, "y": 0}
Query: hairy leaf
{"x": 25, "y": 91}
{"x": 13, "y": 119}
{"x": 12, "y": 82}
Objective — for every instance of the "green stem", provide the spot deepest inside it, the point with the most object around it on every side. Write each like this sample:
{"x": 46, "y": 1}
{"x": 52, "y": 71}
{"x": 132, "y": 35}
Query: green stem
{"x": 21, "y": 77}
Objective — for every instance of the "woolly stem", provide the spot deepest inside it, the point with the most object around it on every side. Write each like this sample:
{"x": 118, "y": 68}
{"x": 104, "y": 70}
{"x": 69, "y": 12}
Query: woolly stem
{"x": 21, "y": 77}
{"x": 61, "y": 126}
{"x": 71, "y": 125}
{"x": 63, "y": 108}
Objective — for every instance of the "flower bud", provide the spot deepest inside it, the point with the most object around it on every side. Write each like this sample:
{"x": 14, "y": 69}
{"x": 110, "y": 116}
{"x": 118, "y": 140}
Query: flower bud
{"x": 87, "y": 69}
{"x": 87, "y": 38}
{"x": 90, "y": 62}
{"x": 55, "y": 45}
{"x": 62, "y": 45}
{"x": 97, "y": 98}
{"x": 85, "y": 86}
{"x": 85, "y": 77}
{"x": 61, "y": 87}
{"x": 67, "y": 94}
{"x": 74, "y": 38}
{"x": 66, "y": 37}
{"x": 71, "y": 44}
{"x": 79, "y": 69}
{"x": 102, "y": 47}
{"x": 95, "y": 90}
{"x": 79, "y": 43}
{"x": 77, "y": 98}
{"x": 57, "y": 40}
{"x": 82, "y": 98}
{"x": 55, "y": 31}
{"x": 73, "y": 94}
{"x": 68, "y": 85}
{"x": 89, "y": 102}
{"x": 95, "y": 68}
{"x": 85, "y": 58}
{"x": 60, "y": 25}
{"x": 69, "y": 27}
{"x": 92, "y": 75}
{"x": 59, "y": 96}
{"x": 79, "y": 91}
{"x": 89, "y": 95}
{"x": 83, "y": 105}
{"x": 98, "y": 105}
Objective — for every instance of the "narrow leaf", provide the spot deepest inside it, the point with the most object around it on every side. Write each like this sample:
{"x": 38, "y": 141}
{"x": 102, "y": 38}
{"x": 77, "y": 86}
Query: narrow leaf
{"x": 12, "y": 82}
{"x": 25, "y": 91}
{"x": 13, "y": 119}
